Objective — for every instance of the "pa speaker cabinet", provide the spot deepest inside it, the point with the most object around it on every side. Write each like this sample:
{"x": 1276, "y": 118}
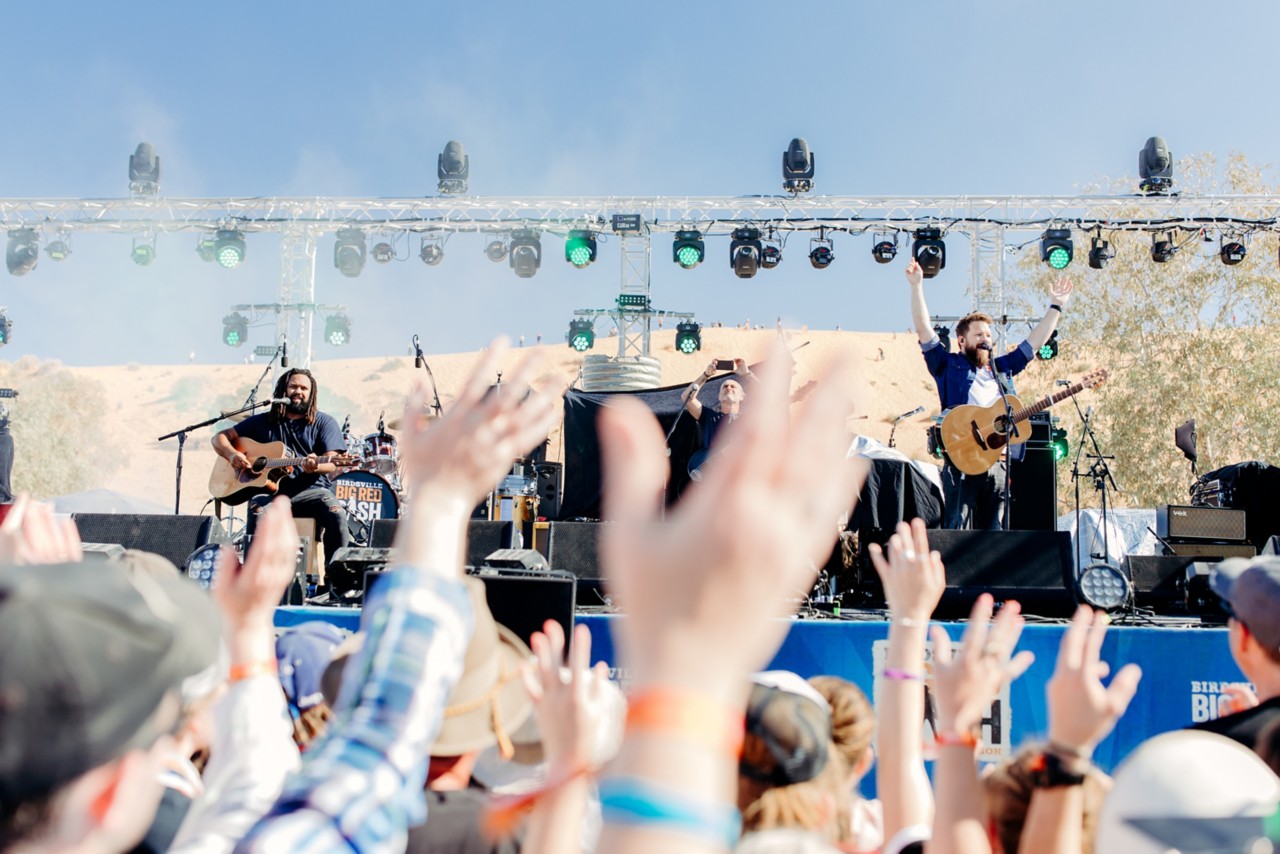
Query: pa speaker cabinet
{"x": 574, "y": 548}
{"x": 483, "y": 537}
{"x": 523, "y": 601}
{"x": 1183, "y": 522}
{"x": 173, "y": 537}
{"x": 549, "y": 477}
{"x": 1033, "y": 481}
{"x": 1159, "y": 581}
{"x": 1215, "y": 551}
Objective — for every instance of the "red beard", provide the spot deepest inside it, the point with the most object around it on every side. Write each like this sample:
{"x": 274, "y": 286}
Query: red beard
{"x": 978, "y": 357}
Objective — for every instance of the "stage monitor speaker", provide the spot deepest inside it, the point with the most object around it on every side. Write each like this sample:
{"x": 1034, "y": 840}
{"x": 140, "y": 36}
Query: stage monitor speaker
{"x": 1184, "y": 522}
{"x": 523, "y": 601}
{"x": 173, "y": 537}
{"x": 1159, "y": 581}
{"x": 483, "y": 537}
{"x": 573, "y": 547}
{"x": 1033, "y": 482}
{"x": 1033, "y": 567}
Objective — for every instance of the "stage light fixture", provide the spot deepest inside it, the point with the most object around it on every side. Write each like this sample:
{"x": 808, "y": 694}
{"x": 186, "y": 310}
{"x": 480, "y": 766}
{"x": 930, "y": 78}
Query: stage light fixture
{"x": 929, "y": 251}
{"x": 688, "y": 250}
{"x": 821, "y": 253}
{"x": 453, "y": 169}
{"x": 496, "y": 251}
{"x": 432, "y": 252}
{"x": 1103, "y": 587}
{"x": 1100, "y": 252}
{"x": 526, "y": 252}
{"x": 337, "y": 330}
{"x": 1232, "y": 252}
{"x": 144, "y": 171}
{"x": 580, "y": 248}
{"x": 1056, "y": 248}
{"x": 885, "y": 249}
{"x": 228, "y": 247}
{"x": 207, "y": 249}
{"x": 144, "y": 250}
{"x": 383, "y": 253}
{"x": 688, "y": 337}
{"x": 744, "y": 251}
{"x": 58, "y": 250}
{"x": 1155, "y": 167}
{"x": 581, "y": 335}
{"x": 202, "y": 565}
{"x": 349, "y": 252}
{"x": 23, "y": 252}
{"x": 944, "y": 335}
{"x": 6, "y": 331}
{"x": 770, "y": 256}
{"x": 1058, "y": 442}
{"x": 1048, "y": 349}
{"x": 235, "y": 329}
{"x": 1162, "y": 247}
{"x": 797, "y": 167}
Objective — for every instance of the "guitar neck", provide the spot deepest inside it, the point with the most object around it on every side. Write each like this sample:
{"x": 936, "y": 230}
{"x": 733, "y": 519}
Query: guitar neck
{"x": 1044, "y": 403}
{"x": 293, "y": 461}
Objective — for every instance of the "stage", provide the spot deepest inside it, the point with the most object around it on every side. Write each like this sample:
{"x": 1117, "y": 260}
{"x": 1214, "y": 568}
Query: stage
{"x": 1183, "y": 668}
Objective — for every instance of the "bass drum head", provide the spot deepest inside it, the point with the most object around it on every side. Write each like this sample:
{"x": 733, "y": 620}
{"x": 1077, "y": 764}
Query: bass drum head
{"x": 366, "y": 497}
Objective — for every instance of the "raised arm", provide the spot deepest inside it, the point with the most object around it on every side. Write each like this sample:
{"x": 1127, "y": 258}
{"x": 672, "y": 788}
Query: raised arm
{"x": 919, "y": 308}
{"x": 690, "y": 395}
{"x": 1059, "y": 296}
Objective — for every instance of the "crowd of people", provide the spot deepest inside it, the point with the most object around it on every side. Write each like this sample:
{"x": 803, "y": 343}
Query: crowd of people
{"x": 138, "y": 712}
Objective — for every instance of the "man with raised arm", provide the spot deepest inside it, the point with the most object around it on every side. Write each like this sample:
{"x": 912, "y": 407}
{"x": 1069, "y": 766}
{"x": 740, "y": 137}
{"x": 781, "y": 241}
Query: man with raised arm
{"x": 970, "y": 377}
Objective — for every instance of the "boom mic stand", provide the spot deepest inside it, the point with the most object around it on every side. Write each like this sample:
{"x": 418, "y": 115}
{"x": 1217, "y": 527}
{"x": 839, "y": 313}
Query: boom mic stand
{"x": 420, "y": 361}
{"x": 1100, "y": 473}
{"x": 181, "y": 433}
{"x": 1011, "y": 432}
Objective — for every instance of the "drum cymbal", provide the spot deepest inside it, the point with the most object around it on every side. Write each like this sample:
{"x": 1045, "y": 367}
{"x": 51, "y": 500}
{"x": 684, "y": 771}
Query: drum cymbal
{"x": 397, "y": 423}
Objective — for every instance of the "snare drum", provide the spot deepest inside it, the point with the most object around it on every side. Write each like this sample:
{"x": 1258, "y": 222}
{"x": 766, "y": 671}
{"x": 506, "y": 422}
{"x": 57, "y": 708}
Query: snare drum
{"x": 380, "y": 455}
{"x": 366, "y": 496}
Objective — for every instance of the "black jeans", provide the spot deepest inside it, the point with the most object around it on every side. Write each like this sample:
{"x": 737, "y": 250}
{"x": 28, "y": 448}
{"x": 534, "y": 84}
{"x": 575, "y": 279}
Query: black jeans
{"x": 973, "y": 501}
{"x": 321, "y": 505}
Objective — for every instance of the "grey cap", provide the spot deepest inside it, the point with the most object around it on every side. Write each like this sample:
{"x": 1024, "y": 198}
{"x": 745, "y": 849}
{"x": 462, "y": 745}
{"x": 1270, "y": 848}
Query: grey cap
{"x": 1251, "y": 589}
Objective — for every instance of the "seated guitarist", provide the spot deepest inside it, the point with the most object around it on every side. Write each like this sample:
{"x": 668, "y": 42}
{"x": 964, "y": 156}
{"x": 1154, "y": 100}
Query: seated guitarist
{"x": 966, "y": 377}
{"x": 710, "y": 421}
{"x": 306, "y": 432}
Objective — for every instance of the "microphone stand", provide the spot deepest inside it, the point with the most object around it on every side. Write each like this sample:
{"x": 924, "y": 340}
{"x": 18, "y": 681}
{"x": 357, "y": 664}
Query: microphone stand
{"x": 904, "y": 416}
{"x": 181, "y": 433}
{"x": 1011, "y": 433}
{"x": 253, "y": 392}
{"x": 1100, "y": 473}
{"x": 420, "y": 361}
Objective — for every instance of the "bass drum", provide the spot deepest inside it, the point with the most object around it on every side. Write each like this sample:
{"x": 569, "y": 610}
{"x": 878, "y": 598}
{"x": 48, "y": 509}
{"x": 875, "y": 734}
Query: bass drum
{"x": 366, "y": 497}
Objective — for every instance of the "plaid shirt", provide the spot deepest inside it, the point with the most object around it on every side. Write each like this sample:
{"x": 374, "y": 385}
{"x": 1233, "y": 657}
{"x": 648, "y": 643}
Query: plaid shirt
{"x": 361, "y": 787}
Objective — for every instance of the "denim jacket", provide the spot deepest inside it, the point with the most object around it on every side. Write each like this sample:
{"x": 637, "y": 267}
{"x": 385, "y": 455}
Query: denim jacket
{"x": 955, "y": 374}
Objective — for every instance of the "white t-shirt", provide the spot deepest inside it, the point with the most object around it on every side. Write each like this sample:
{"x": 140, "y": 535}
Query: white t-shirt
{"x": 984, "y": 390}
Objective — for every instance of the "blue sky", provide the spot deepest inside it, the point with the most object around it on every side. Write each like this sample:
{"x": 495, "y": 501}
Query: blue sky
{"x": 326, "y": 98}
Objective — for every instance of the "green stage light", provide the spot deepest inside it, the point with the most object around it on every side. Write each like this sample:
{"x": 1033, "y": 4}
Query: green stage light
{"x": 1048, "y": 349}
{"x": 580, "y": 248}
{"x": 144, "y": 250}
{"x": 1056, "y": 248}
{"x": 235, "y": 329}
{"x": 337, "y": 330}
{"x": 228, "y": 248}
{"x": 688, "y": 337}
{"x": 1058, "y": 442}
{"x": 688, "y": 250}
{"x": 581, "y": 335}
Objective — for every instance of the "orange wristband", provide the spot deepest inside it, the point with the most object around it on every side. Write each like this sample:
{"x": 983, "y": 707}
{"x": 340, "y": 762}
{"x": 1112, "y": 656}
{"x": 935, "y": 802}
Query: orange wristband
{"x": 697, "y": 718}
{"x": 956, "y": 739}
{"x": 240, "y": 672}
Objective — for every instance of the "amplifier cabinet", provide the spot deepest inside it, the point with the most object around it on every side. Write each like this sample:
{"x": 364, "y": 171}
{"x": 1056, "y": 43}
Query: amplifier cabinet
{"x": 1183, "y": 522}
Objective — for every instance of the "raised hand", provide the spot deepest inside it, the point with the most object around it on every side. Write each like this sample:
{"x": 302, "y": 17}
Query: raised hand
{"x": 253, "y": 590}
{"x": 1081, "y": 711}
{"x": 1060, "y": 290}
{"x": 1236, "y": 698}
{"x": 912, "y": 576}
{"x": 915, "y": 275}
{"x": 32, "y": 534}
{"x": 966, "y": 683}
{"x": 567, "y": 700}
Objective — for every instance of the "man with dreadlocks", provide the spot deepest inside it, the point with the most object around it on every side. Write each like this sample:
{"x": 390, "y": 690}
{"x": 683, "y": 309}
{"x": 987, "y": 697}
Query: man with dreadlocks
{"x": 306, "y": 432}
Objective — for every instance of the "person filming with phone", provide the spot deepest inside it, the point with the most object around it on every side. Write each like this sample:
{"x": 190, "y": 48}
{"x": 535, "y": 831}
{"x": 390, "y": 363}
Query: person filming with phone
{"x": 711, "y": 420}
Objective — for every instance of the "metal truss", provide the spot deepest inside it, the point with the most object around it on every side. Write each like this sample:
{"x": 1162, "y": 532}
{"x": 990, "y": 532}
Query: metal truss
{"x": 986, "y": 220}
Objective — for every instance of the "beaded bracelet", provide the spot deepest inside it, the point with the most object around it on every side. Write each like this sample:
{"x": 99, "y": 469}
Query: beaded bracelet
{"x": 956, "y": 739}
{"x": 697, "y": 718}
{"x": 637, "y": 802}
{"x": 899, "y": 675}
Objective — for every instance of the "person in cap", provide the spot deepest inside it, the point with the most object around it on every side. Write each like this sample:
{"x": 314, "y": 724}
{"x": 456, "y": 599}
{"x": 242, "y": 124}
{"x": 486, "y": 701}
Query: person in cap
{"x": 91, "y": 661}
{"x": 303, "y": 653}
{"x": 1250, "y": 591}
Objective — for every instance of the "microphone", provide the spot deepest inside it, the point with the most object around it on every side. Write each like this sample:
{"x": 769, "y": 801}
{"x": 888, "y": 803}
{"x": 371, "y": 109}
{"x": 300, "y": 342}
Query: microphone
{"x": 904, "y": 415}
{"x": 1063, "y": 382}
{"x": 417, "y": 353}
{"x": 985, "y": 346}
{"x": 381, "y": 428}
{"x": 273, "y": 401}
{"x": 1088, "y": 413}
{"x": 284, "y": 353}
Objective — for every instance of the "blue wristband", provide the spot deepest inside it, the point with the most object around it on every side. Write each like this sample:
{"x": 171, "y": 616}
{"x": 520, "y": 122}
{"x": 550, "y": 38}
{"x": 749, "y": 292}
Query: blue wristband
{"x": 632, "y": 801}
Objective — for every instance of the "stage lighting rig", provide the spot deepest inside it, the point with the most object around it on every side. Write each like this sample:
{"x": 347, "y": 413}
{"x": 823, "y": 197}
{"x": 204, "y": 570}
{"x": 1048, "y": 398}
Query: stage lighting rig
{"x": 1056, "y": 248}
{"x": 337, "y": 330}
{"x": 1155, "y": 167}
{"x": 1162, "y": 247}
{"x": 144, "y": 171}
{"x": 944, "y": 335}
{"x": 526, "y": 252}
{"x": 453, "y": 169}
{"x": 929, "y": 251}
{"x": 6, "y": 337}
{"x": 383, "y": 252}
{"x": 688, "y": 250}
{"x": 496, "y": 251}
{"x": 885, "y": 248}
{"x": 821, "y": 252}
{"x": 688, "y": 337}
{"x": 581, "y": 335}
{"x": 580, "y": 248}
{"x": 1100, "y": 252}
{"x": 228, "y": 247}
{"x": 349, "y": 252}
{"x": 59, "y": 249}
{"x": 1232, "y": 251}
{"x": 744, "y": 251}
{"x": 144, "y": 250}
{"x": 235, "y": 329}
{"x": 770, "y": 256}
{"x": 432, "y": 252}
{"x": 23, "y": 252}
{"x": 1059, "y": 443}
{"x": 797, "y": 167}
{"x": 207, "y": 248}
{"x": 1048, "y": 349}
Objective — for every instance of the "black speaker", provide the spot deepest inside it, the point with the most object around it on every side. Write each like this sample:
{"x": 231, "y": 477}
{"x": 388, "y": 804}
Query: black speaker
{"x": 483, "y": 537}
{"x": 523, "y": 601}
{"x": 173, "y": 537}
{"x": 1033, "y": 567}
{"x": 1159, "y": 581}
{"x": 573, "y": 547}
{"x": 549, "y": 477}
{"x": 1033, "y": 481}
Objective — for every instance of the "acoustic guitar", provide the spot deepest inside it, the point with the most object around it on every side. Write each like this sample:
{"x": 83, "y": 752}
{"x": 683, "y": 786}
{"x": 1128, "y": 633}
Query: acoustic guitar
{"x": 975, "y": 436}
{"x": 267, "y": 467}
